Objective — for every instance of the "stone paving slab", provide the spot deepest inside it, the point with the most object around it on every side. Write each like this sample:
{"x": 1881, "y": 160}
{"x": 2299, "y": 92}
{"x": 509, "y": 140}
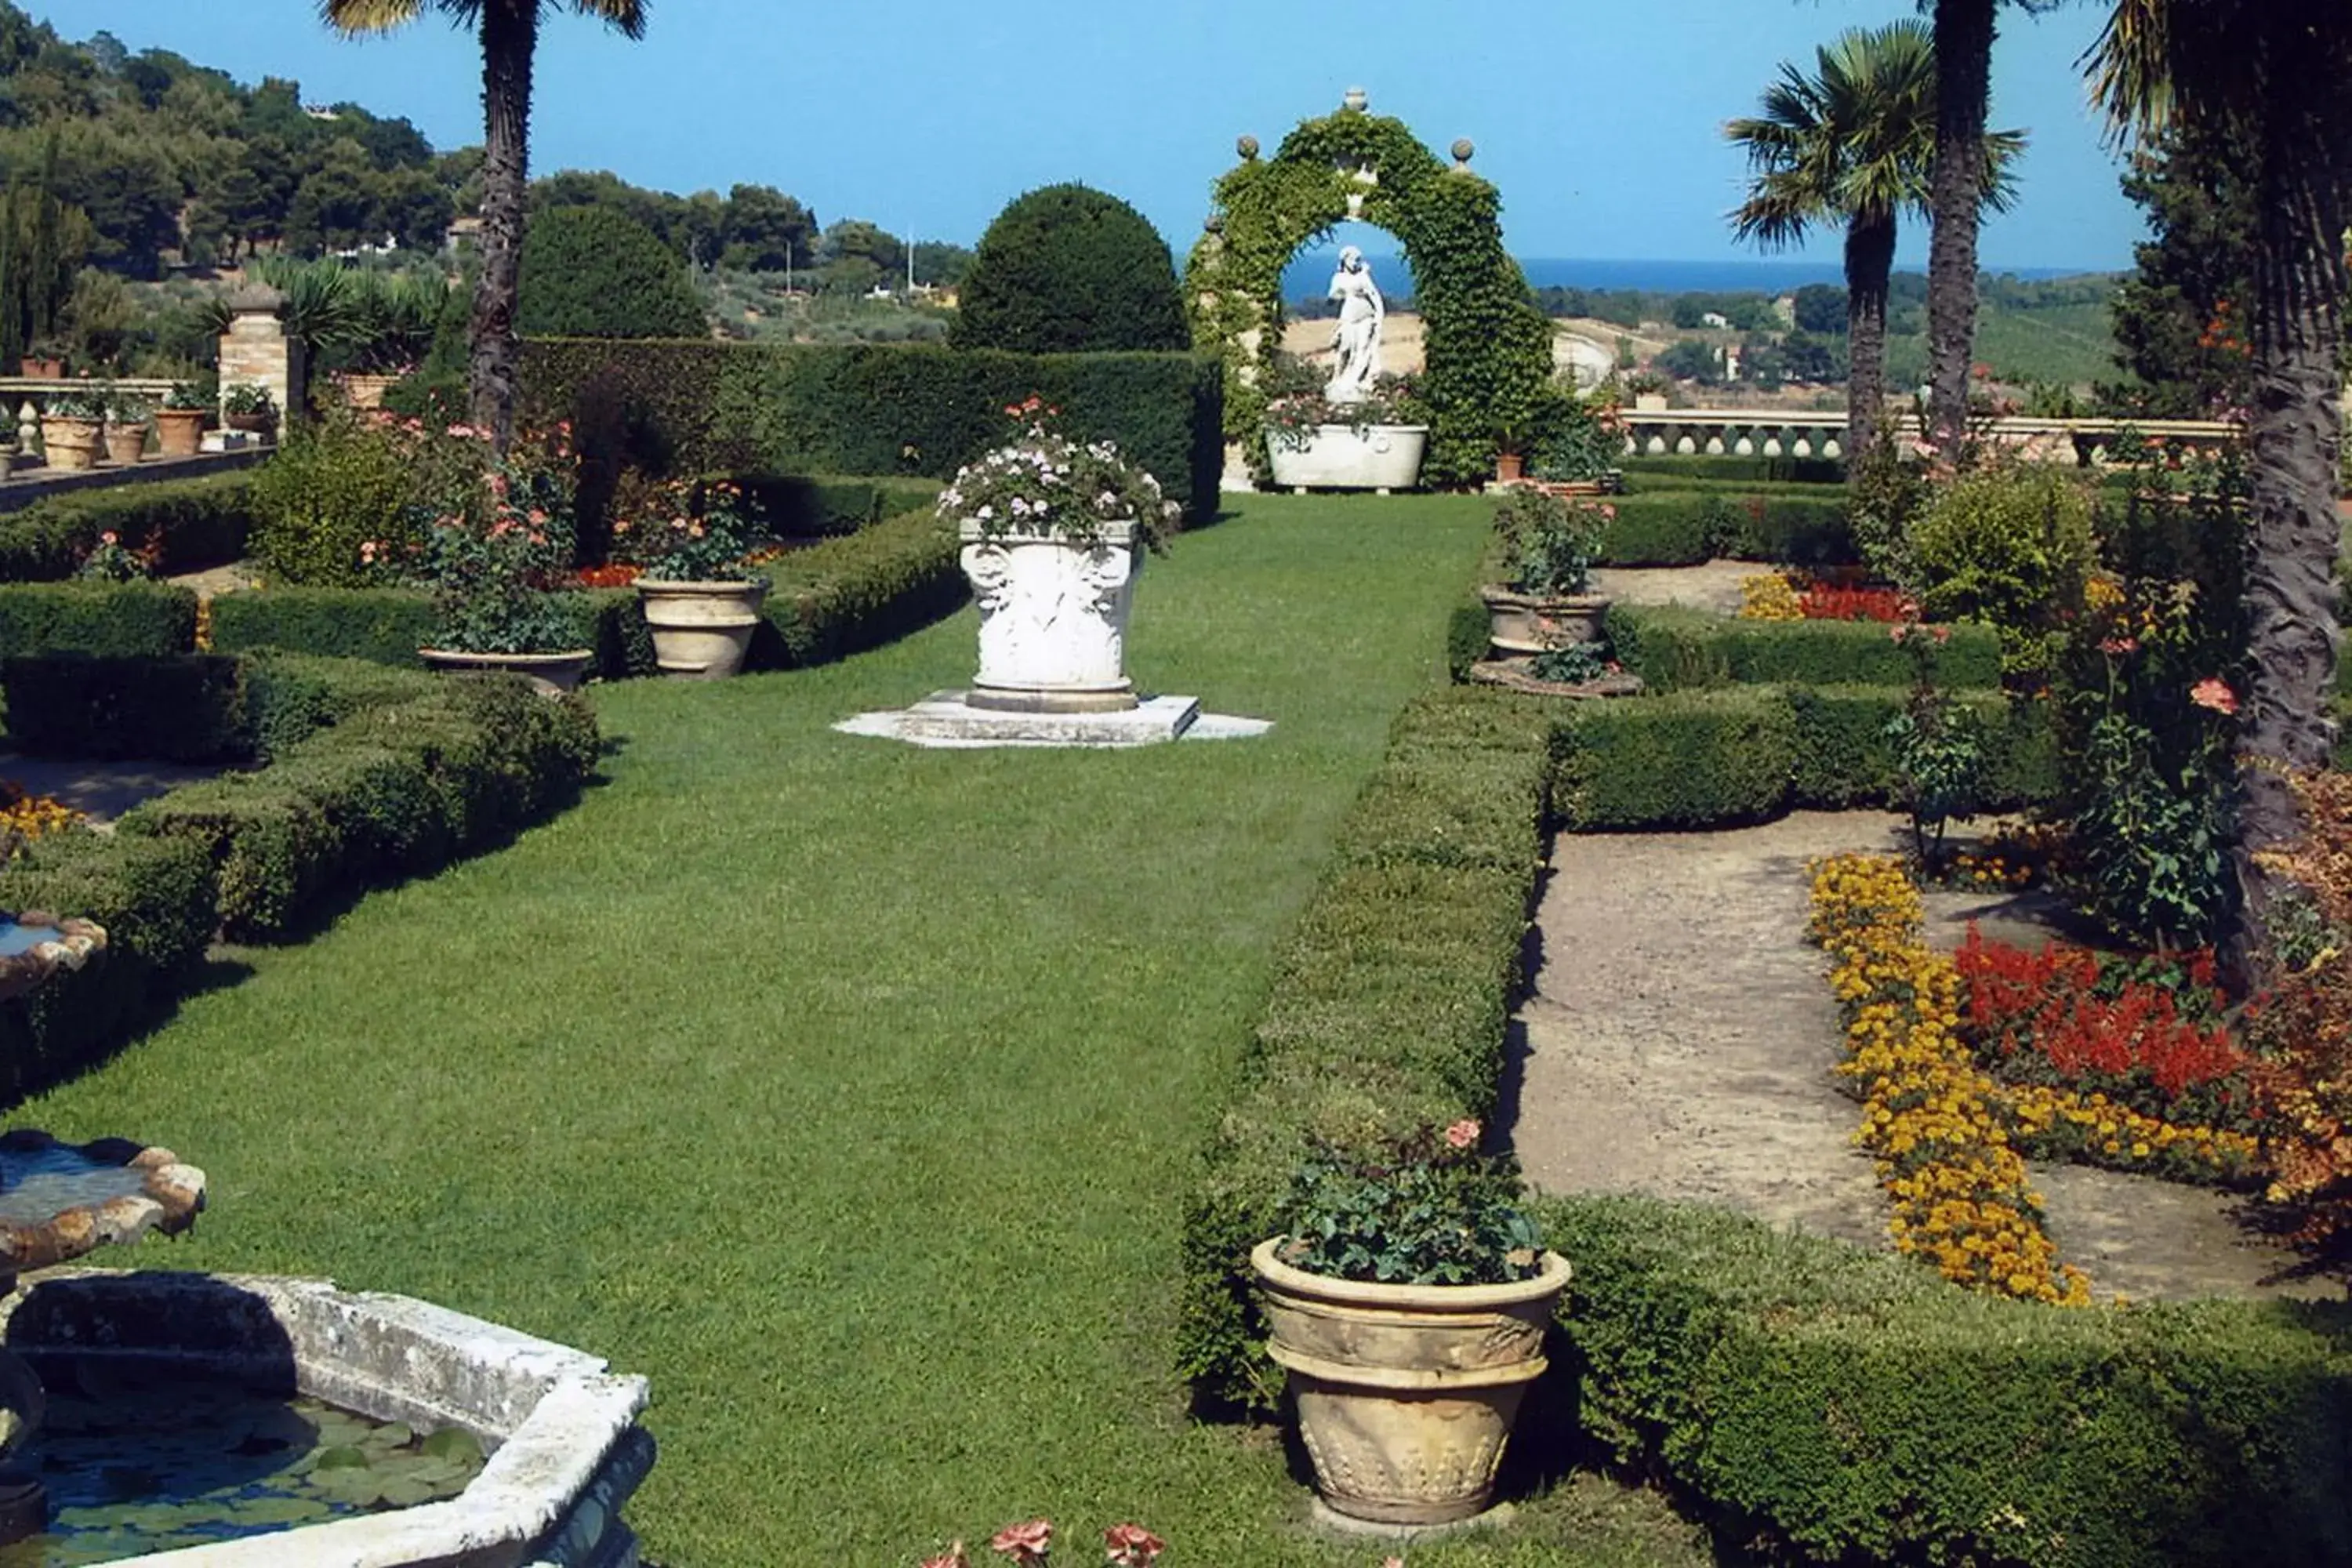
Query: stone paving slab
{"x": 1680, "y": 1040}
{"x": 104, "y": 790}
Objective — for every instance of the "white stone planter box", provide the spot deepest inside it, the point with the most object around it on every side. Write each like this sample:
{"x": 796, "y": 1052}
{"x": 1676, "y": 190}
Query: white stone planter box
{"x": 1343, "y": 458}
{"x": 1053, "y": 617}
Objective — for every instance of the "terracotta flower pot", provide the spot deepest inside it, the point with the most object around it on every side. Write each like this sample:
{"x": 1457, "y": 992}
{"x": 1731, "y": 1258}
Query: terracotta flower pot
{"x": 179, "y": 432}
{"x": 1510, "y": 466}
{"x": 125, "y": 444}
{"x": 552, "y": 673}
{"x": 1406, "y": 1392}
{"x": 251, "y": 423}
{"x": 1530, "y": 623}
{"x": 70, "y": 443}
{"x": 700, "y": 630}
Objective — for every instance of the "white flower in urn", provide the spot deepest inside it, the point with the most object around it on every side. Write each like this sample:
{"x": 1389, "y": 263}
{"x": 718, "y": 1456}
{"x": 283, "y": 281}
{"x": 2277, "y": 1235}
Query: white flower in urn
{"x": 1014, "y": 488}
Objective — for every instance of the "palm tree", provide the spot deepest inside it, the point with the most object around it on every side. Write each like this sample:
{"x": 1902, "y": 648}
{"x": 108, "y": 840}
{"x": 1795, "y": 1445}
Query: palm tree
{"x": 509, "y": 34}
{"x": 1856, "y": 142}
{"x": 1964, "y": 37}
{"x": 2276, "y": 74}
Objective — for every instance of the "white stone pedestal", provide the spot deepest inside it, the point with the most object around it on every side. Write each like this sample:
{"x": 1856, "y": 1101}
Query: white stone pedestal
{"x": 1053, "y": 618}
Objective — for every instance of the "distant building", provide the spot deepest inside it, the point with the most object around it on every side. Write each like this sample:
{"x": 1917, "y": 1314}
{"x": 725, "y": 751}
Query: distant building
{"x": 320, "y": 111}
{"x": 461, "y": 234}
{"x": 1717, "y": 320}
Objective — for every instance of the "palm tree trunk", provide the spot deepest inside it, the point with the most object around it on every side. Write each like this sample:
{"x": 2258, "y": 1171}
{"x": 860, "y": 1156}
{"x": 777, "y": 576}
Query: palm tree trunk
{"x": 1964, "y": 34}
{"x": 510, "y": 37}
{"x": 2295, "y": 428}
{"x": 1869, "y": 261}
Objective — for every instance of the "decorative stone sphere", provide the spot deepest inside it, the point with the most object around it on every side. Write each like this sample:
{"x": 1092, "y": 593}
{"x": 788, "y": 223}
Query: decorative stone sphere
{"x": 1215, "y": 224}
{"x": 1246, "y": 147}
{"x": 1357, "y": 100}
{"x": 1463, "y": 149}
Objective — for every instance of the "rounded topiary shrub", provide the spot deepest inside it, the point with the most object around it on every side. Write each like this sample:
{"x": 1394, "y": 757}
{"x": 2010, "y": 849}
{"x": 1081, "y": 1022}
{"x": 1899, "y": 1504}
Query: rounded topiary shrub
{"x": 591, "y": 272}
{"x": 1066, "y": 270}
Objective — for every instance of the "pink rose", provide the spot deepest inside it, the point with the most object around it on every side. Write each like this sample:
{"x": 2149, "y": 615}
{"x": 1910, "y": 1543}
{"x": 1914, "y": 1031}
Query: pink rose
{"x": 1464, "y": 1133}
{"x": 953, "y": 1557}
{"x": 2210, "y": 692}
{"x": 1024, "y": 1543}
{"x": 1132, "y": 1546}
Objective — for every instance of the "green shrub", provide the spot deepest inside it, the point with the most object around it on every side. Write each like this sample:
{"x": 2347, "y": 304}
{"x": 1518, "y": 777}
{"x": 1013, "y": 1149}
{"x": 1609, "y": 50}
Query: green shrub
{"x": 1683, "y": 527}
{"x": 1847, "y": 1406}
{"x": 1066, "y": 270}
{"x": 906, "y": 409}
{"x": 387, "y": 626}
{"x": 155, "y": 902}
{"x": 1697, "y": 758}
{"x": 1389, "y": 1002}
{"x": 594, "y": 272}
{"x": 859, "y": 592}
{"x": 1845, "y": 758}
{"x": 115, "y": 618}
{"x": 800, "y": 507}
{"x": 1644, "y": 473}
{"x": 192, "y": 525}
{"x": 1468, "y": 634}
{"x": 383, "y": 791}
{"x": 1674, "y": 648}
{"x": 336, "y": 483}
{"x": 2009, "y": 543}
{"x": 181, "y": 708}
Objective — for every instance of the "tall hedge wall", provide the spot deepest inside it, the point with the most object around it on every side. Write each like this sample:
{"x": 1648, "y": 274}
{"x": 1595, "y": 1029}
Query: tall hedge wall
{"x": 918, "y": 409}
{"x": 111, "y": 618}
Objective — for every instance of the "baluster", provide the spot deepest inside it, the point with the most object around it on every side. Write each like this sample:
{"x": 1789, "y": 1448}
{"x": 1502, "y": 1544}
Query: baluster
{"x": 1745, "y": 446}
{"x": 1772, "y": 440}
{"x": 1684, "y": 444}
{"x": 1715, "y": 442}
{"x": 28, "y": 426}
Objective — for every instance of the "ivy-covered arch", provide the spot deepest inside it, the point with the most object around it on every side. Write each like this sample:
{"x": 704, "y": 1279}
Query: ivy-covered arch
{"x": 1488, "y": 348}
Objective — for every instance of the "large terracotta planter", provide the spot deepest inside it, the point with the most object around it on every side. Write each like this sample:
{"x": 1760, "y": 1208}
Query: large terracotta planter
{"x": 70, "y": 443}
{"x": 552, "y": 673}
{"x": 1053, "y": 618}
{"x": 251, "y": 423}
{"x": 125, "y": 444}
{"x": 1344, "y": 457}
{"x": 367, "y": 391}
{"x": 179, "y": 432}
{"x": 700, "y": 630}
{"x": 1530, "y": 623}
{"x": 1406, "y": 1392}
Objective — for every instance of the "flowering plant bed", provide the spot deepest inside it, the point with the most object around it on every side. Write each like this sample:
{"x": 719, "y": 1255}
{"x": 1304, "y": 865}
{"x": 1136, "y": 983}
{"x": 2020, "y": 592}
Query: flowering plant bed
{"x": 1031, "y": 1545}
{"x": 1795, "y": 596}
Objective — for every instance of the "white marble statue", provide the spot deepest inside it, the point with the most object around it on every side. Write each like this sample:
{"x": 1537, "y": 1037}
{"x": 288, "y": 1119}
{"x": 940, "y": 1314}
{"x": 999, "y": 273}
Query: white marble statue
{"x": 1357, "y": 340}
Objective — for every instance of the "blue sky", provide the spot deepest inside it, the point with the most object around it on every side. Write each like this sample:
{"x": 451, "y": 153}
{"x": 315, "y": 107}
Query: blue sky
{"x": 1599, "y": 120}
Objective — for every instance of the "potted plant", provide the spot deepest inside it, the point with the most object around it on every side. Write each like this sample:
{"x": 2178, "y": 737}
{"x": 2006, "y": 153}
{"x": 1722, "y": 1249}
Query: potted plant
{"x": 498, "y": 543}
{"x": 249, "y": 407}
{"x": 44, "y": 360}
{"x": 1054, "y": 533}
{"x": 1549, "y": 543}
{"x": 1375, "y": 444}
{"x": 1407, "y": 1296}
{"x": 180, "y": 423}
{"x": 126, "y": 428}
{"x": 70, "y": 427}
{"x": 701, "y": 602}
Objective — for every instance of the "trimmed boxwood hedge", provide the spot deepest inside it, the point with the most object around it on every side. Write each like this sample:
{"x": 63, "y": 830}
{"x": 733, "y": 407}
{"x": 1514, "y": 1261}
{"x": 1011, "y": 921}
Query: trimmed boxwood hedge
{"x": 430, "y": 768}
{"x": 181, "y": 708}
{"x": 1674, "y": 648}
{"x": 1683, "y": 527}
{"x": 860, "y": 408}
{"x": 109, "y": 618}
{"x": 1645, "y": 472}
{"x": 154, "y": 900}
{"x": 824, "y": 603}
{"x": 800, "y": 506}
{"x": 1842, "y": 1405}
{"x": 194, "y": 524}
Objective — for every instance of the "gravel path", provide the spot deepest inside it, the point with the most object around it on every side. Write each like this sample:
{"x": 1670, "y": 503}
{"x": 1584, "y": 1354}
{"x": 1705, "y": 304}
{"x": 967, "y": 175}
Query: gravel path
{"x": 1679, "y": 1040}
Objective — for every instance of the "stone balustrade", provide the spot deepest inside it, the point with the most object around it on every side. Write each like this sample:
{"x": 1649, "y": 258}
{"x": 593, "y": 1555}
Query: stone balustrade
{"x": 1780, "y": 433}
{"x": 31, "y": 393}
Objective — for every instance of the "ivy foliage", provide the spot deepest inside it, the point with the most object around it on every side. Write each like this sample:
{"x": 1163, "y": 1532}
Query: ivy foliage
{"x": 1489, "y": 348}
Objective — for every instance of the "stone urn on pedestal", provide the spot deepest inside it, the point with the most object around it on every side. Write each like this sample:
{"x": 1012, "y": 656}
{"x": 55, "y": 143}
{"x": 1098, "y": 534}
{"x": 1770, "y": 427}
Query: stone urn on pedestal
{"x": 1053, "y": 610}
{"x": 1549, "y": 543}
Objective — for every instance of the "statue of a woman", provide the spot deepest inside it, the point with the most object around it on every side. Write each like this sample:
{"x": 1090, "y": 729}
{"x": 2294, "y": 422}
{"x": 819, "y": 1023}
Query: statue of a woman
{"x": 1358, "y": 337}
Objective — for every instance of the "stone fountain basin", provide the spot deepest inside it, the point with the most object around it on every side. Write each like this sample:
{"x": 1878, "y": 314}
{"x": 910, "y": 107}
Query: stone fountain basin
{"x": 561, "y": 1428}
{"x": 36, "y": 945}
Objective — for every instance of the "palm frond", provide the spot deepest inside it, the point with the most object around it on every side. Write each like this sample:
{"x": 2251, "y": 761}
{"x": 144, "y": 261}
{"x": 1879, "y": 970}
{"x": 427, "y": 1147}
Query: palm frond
{"x": 2130, "y": 68}
{"x": 626, "y": 18}
{"x": 353, "y": 17}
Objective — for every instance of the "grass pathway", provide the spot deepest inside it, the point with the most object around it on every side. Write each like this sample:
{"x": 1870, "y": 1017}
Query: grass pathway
{"x": 844, "y": 1088}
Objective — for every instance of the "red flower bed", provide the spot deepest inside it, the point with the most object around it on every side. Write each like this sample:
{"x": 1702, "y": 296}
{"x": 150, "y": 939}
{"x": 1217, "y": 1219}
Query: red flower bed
{"x": 1830, "y": 602}
{"x": 2147, "y": 1033}
{"x": 615, "y": 577}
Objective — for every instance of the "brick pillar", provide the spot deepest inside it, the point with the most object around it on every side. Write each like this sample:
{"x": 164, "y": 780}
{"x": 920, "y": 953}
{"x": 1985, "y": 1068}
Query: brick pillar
{"x": 256, "y": 350}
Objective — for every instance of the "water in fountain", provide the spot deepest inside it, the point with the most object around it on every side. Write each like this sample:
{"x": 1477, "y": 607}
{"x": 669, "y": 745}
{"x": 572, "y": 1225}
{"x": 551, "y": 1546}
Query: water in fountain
{"x": 18, "y": 940}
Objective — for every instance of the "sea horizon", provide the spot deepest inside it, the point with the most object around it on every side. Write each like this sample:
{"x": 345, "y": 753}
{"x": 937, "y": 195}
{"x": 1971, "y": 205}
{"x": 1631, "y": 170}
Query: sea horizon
{"x": 1309, "y": 273}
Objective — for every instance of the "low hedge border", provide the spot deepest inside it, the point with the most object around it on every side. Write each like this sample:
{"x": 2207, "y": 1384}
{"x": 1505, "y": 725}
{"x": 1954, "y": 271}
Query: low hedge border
{"x": 1666, "y": 468}
{"x": 824, "y": 603}
{"x": 1693, "y": 760}
{"x": 1848, "y": 1405}
{"x": 1676, "y": 649}
{"x": 1685, "y": 527}
{"x": 114, "y": 619}
{"x": 193, "y": 525}
{"x": 800, "y": 506}
{"x": 179, "y": 708}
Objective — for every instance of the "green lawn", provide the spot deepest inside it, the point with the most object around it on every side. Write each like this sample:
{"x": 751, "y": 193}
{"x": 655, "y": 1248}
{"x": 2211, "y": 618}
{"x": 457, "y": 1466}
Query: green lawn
{"x": 847, "y": 1089}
